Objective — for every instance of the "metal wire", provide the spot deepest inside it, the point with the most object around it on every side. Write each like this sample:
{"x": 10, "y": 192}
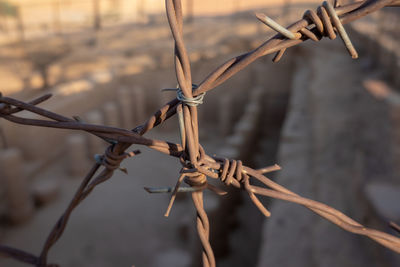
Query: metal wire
{"x": 197, "y": 166}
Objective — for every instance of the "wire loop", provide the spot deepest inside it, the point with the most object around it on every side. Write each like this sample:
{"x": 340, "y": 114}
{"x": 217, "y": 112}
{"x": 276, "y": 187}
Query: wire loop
{"x": 190, "y": 101}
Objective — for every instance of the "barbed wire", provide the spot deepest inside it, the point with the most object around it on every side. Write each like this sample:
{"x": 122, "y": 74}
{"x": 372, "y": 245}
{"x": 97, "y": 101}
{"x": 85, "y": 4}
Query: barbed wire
{"x": 197, "y": 166}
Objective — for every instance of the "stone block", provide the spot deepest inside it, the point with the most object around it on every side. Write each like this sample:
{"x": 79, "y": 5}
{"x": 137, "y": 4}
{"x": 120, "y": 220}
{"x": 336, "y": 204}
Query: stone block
{"x": 45, "y": 191}
{"x": 253, "y": 109}
{"x": 256, "y": 95}
{"x": 73, "y": 87}
{"x": 16, "y": 188}
{"x": 244, "y": 128}
{"x": 55, "y": 73}
{"x": 101, "y": 77}
{"x": 250, "y": 118}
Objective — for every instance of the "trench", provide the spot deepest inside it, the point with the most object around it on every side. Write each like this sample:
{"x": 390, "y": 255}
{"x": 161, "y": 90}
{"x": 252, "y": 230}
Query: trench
{"x": 333, "y": 139}
{"x": 237, "y": 224}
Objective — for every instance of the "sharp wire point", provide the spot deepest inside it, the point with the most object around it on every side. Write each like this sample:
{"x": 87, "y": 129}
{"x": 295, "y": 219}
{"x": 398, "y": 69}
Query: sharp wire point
{"x": 277, "y": 27}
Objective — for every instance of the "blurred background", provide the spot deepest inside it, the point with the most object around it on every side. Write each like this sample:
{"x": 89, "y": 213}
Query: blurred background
{"x": 331, "y": 122}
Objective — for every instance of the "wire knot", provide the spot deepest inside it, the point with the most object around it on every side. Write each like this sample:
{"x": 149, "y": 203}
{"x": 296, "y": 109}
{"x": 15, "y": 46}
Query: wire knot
{"x": 231, "y": 170}
{"x": 190, "y": 101}
{"x": 233, "y": 173}
{"x": 111, "y": 161}
{"x": 196, "y": 180}
{"x": 326, "y": 21}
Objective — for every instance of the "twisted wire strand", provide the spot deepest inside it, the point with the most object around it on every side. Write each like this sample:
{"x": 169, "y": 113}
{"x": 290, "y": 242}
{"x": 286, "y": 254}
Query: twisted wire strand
{"x": 22, "y": 256}
{"x": 348, "y": 13}
{"x": 325, "y": 22}
{"x": 203, "y": 229}
{"x": 11, "y": 106}
{"x": 329, "y": 213}
{"x": 86, "y": 187}
{"x": 188, "y": 121}
{"x": 232, "y": 173}
{"x": 334, "y": 216}
{"x": 183, "y": 74}
{"x": 111, "y": 160}
{"x": 241, "y": 180}
{"x": 330, "y": 19}
{"x": 223, "y": 169}
{"x": 59, "y": 227}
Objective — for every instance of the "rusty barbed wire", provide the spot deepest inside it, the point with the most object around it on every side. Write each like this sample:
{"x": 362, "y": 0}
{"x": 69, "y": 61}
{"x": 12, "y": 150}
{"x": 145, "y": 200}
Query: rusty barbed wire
{"x": 197, "y": 166}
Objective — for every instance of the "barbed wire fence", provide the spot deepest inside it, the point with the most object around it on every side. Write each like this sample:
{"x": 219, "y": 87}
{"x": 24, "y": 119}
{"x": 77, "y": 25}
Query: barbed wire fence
{"x": 197, "y": 166}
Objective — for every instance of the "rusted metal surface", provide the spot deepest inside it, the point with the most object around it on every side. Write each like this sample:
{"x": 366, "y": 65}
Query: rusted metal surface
{"x": 395, "y": 226}
{"x": 197, "y": 166}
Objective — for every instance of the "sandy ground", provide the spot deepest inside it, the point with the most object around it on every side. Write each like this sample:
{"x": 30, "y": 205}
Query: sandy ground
{"x": 42, "y": 18}
{"x": 79, "y": 54}
{"x": 120, "y": 224}
{"x": 121, "y": 50}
